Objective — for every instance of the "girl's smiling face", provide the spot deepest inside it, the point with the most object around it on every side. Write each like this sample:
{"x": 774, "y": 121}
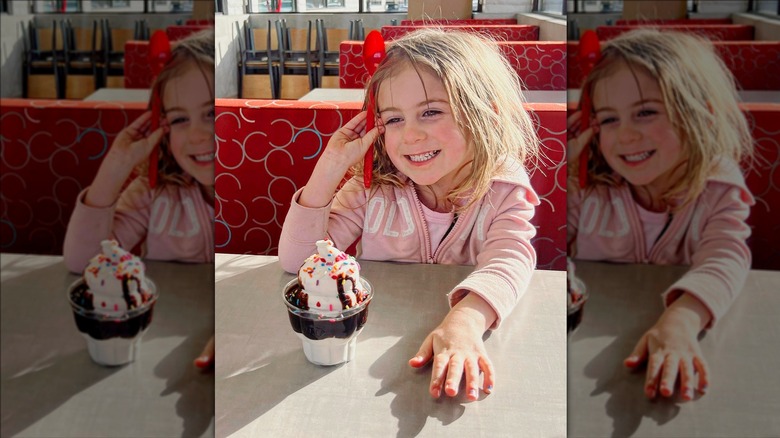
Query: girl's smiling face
{"x": 189, "y": 110}
{"x": 421, "y": 136}
{"x": 636, "y": 137}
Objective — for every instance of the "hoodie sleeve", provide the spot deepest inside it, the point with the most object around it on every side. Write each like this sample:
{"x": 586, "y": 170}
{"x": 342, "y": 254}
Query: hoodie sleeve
{"x": 341, "y": 221}
{"x": 721, "y": 261}
{"x": 507, "y": 260}
{"x": 126, "y": 221}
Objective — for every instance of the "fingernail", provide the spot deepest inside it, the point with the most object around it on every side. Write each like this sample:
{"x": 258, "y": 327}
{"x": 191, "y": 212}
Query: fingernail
{"x": 689, "y": 394}
{"x": 437, "y": 392}
{"x": 473, "y": 393}
{"x": 489, "y": 388}
{"x": 202, "y": 361}
{"x": 703, "y": 389}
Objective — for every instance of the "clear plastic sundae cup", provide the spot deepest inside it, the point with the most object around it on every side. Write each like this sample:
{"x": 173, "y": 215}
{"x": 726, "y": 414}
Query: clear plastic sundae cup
{"x": 329, "y": 338}
{"x": 113, "y": 340}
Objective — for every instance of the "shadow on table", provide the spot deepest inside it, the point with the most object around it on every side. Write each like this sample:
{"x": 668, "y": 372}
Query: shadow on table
{"x": 269, "y": 389}
{"x": 31, "y": 395}
{"x": 412, "y": 404}
{"x": 627, "y": 404}
{"x": 195, "y": 405}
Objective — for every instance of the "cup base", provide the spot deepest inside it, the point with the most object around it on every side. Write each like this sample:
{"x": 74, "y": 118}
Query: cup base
{"x": 113, "y": 352}
{"x": 331, "y": 351}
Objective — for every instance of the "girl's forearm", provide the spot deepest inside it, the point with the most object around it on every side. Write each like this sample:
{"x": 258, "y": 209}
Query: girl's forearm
{"x": 688, "y": 312}
{"x": 473, "y": 311}
{"x": 322, "y": 183}
{"x": 108, "y": 182}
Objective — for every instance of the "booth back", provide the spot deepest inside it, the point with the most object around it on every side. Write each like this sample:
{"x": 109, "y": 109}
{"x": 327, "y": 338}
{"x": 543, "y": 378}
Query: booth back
{"x": 754, "y": 64}
{"x": 541, "y": 65}
{"x": 266, "y": 150}
{"x": 51, "y": 150}
{"x": 504, "y": 32}
{"x": 715, "y": 32}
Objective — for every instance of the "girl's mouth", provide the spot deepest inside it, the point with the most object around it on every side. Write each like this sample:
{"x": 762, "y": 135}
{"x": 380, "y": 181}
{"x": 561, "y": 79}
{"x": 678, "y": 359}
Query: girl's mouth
{"x": 424, "y": 157}
{"x": 203, "y": 159}
{"x": 637, "y": 158}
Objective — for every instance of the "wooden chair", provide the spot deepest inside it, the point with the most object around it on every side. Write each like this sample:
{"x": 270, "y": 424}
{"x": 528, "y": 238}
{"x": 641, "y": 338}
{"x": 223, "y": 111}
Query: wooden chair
{"x": 113, "y": 54}
{"x": 42, "y": 71}
{"x": 80, "y": 64}
{"x": 296, "y": 72}
{"x": 258, "y": 62}
{"x": 328, "y": 41}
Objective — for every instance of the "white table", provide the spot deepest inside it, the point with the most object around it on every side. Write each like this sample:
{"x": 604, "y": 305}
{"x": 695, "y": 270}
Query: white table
{"x": 51, "y": 387}
{"x": 358, "y": 95}
{"x": 120, "y": 95}
{"x": 747, "y": 96}
{"x": 605, "y": 399}
{"x": 266, "y": 387}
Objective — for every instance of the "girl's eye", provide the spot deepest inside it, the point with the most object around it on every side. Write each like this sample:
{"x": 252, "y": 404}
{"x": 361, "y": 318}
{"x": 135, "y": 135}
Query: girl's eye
{"x": 431, "y": 113}
{"x": 177, "y": 120}
{"x": 392, "y": 120}
{"x": 646, "y": 112}
{"x": 607, "y": 120}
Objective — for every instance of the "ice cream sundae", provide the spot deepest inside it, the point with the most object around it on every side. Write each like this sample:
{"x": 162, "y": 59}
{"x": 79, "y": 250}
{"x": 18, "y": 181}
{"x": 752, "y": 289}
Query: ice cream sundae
{"x": 328, "y": 305}
{"x": 113, "y": 304}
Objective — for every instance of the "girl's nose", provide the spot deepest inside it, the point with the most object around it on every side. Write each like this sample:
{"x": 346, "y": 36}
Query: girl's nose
{"x": 627, "y": 133}
{"x": 199, "y": 133}
{"x": 412, "y": 132}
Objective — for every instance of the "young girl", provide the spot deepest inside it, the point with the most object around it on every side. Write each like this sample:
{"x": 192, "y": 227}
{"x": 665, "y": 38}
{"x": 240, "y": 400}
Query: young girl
{"x": 172, "y": 221}
{"x": 448, "y": 186}
{"x": 664, "y": 186}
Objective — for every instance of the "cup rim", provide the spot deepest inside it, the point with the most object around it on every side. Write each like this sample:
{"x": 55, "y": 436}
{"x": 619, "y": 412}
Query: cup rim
{"x": 332, "y": 316}
{"x": 99, "y": 316}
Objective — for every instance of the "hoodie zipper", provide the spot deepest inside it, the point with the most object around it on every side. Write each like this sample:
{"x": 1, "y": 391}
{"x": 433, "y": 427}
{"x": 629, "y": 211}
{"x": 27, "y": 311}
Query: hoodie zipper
{"x": 426, "y": 237}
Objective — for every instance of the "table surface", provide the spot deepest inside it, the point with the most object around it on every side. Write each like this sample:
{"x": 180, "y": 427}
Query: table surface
{"x": 51, "y": 387}
{"x": 605, "y": 399}
{"x": 747, "y": 96}
{"x": 120, "y": 95}
{"x": 358, "y": 94}
{"x": 266, "y": 387}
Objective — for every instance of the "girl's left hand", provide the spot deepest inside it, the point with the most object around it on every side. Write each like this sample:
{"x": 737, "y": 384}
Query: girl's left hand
{"x": 671, "y": 350}
{"x": 456, "y": 348}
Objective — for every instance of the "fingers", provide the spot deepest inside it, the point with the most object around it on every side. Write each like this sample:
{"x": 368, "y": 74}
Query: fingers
{"x": 440, "y": 362}
{"x": 471, "y": 370}
{"x": 639, "y": 355}
{"x": 654, "y": 366}
{"x": 454, "y": 375}
{"x": 423, "y": 354}
{"x": 490, "y": 375}
{"x": 687, "y": 379}
{"x": 671, "y": 368}
{"x": 206, "y": 358}
{"x": 700, "y": 365}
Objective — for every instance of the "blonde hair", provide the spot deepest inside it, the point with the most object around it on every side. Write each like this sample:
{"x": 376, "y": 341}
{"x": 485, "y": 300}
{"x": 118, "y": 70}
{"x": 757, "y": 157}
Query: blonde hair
{"x": 486, "y": 100}
{"x": 196, "y": 50}
{"x": 701, "y": 101}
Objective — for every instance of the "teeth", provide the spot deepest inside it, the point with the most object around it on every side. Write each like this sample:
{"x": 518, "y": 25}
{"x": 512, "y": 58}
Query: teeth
{"x": 423, "y": 157}
{"x": 637, "y": 157}
{"x": 204, "y": 158}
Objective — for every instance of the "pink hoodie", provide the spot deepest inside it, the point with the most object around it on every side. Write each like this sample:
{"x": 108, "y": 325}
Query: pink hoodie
{"x": 708, "y": 234}
{"x": 173, "y": 222}
{"x": 494, "y": 234}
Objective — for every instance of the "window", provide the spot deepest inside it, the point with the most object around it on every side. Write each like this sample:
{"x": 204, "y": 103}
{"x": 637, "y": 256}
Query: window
{"x": 768, "y": 7}
{"x": 597, "y": 6}
{"x": 171, "y": 6}
{"x": 56, "y": 6}
{"x": 116, "y": 5}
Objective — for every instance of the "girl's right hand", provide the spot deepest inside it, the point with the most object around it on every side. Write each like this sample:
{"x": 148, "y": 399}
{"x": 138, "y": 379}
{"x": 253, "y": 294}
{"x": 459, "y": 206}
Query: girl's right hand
{"x": 576, "y": 140}
{"x": 346, "y": 147}
{"x": 134, "y": 143}
{"x": 131, "y": 147}
{"x": 349, "y": 144}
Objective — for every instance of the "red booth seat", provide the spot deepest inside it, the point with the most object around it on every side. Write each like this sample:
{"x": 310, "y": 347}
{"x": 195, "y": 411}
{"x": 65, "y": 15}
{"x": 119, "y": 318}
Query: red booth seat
{"x": 754, "y": 64}
{"x": 51, "y": 150}
{"x": 267, "y": 149}
{"x": 517, "y": 32}
{"x": 539, "y": 64}
{"x": 471, "y": 21}
{"x": 138, "y": 69}
{"x": 715, "y": 32}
